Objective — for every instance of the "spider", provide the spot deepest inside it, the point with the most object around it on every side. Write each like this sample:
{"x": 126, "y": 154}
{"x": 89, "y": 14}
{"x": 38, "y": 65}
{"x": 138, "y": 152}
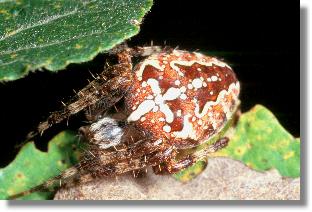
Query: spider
{"x": 172, "y": 100}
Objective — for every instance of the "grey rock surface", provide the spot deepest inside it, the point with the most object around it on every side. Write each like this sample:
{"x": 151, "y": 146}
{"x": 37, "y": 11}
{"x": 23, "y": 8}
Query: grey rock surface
{"x": 223, "y": 179}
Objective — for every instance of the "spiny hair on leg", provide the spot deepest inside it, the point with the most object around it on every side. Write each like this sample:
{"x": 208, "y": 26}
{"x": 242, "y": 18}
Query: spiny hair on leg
{"x": 50, "y": 185}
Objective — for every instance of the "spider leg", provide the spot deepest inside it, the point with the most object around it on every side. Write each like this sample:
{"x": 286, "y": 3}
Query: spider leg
{"x": 100, "y": 91}
{"x": 140, "y": 160}
{"x": 147, "y": 50}
{"x": 172, "y": 166}
{"x": 50, "y": 185}
{"x": 97, "y": 169}
{"x": 140, "y": 51}
{"x": 98, "y": 163}
{"x": 136, "y": 150}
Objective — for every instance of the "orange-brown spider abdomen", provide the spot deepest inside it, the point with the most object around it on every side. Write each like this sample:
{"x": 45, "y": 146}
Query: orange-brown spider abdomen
{"x": 186, "y": 97}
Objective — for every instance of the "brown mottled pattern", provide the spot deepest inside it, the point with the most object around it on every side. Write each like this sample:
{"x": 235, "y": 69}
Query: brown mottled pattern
{"x": 203, "y": 95}
{"x": 209, "y": 93}
{"x": 150, "y": 72}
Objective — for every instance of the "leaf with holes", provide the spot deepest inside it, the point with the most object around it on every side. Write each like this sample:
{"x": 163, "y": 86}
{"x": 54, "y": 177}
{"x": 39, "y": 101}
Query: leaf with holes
{"x": 51, "y": 34}
{"x": 29, "y": 168}
{"x": 262, "y": 143}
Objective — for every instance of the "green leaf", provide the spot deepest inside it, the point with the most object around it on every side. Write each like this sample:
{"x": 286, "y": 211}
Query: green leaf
{"x": 258, "y": 140}
{"x": 32, "y": 167}
{"x": 51, "y": 34}
{"x": 262, "y": 143}
{"x": 191, "y": 172}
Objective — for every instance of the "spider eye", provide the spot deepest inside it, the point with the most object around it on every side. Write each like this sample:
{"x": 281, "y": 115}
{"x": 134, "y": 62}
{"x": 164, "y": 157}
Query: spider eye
{"x": 182, "y": 95}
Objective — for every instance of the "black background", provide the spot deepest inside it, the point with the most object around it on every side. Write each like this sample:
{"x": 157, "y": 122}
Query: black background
{"x": 259, "y": 39}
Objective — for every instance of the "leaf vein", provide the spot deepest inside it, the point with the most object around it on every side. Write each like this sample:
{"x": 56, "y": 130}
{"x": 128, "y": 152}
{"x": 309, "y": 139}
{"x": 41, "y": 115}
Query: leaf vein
{"x": 98, "y": 32}
{"x": 39, "y": 23}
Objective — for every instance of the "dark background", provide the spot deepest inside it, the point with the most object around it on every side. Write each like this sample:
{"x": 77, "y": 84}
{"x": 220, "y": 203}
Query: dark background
{"x": 259, "y": 39}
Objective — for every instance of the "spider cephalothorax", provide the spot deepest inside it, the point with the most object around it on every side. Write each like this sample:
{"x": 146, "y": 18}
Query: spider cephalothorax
{"x": 173, "y": 100}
